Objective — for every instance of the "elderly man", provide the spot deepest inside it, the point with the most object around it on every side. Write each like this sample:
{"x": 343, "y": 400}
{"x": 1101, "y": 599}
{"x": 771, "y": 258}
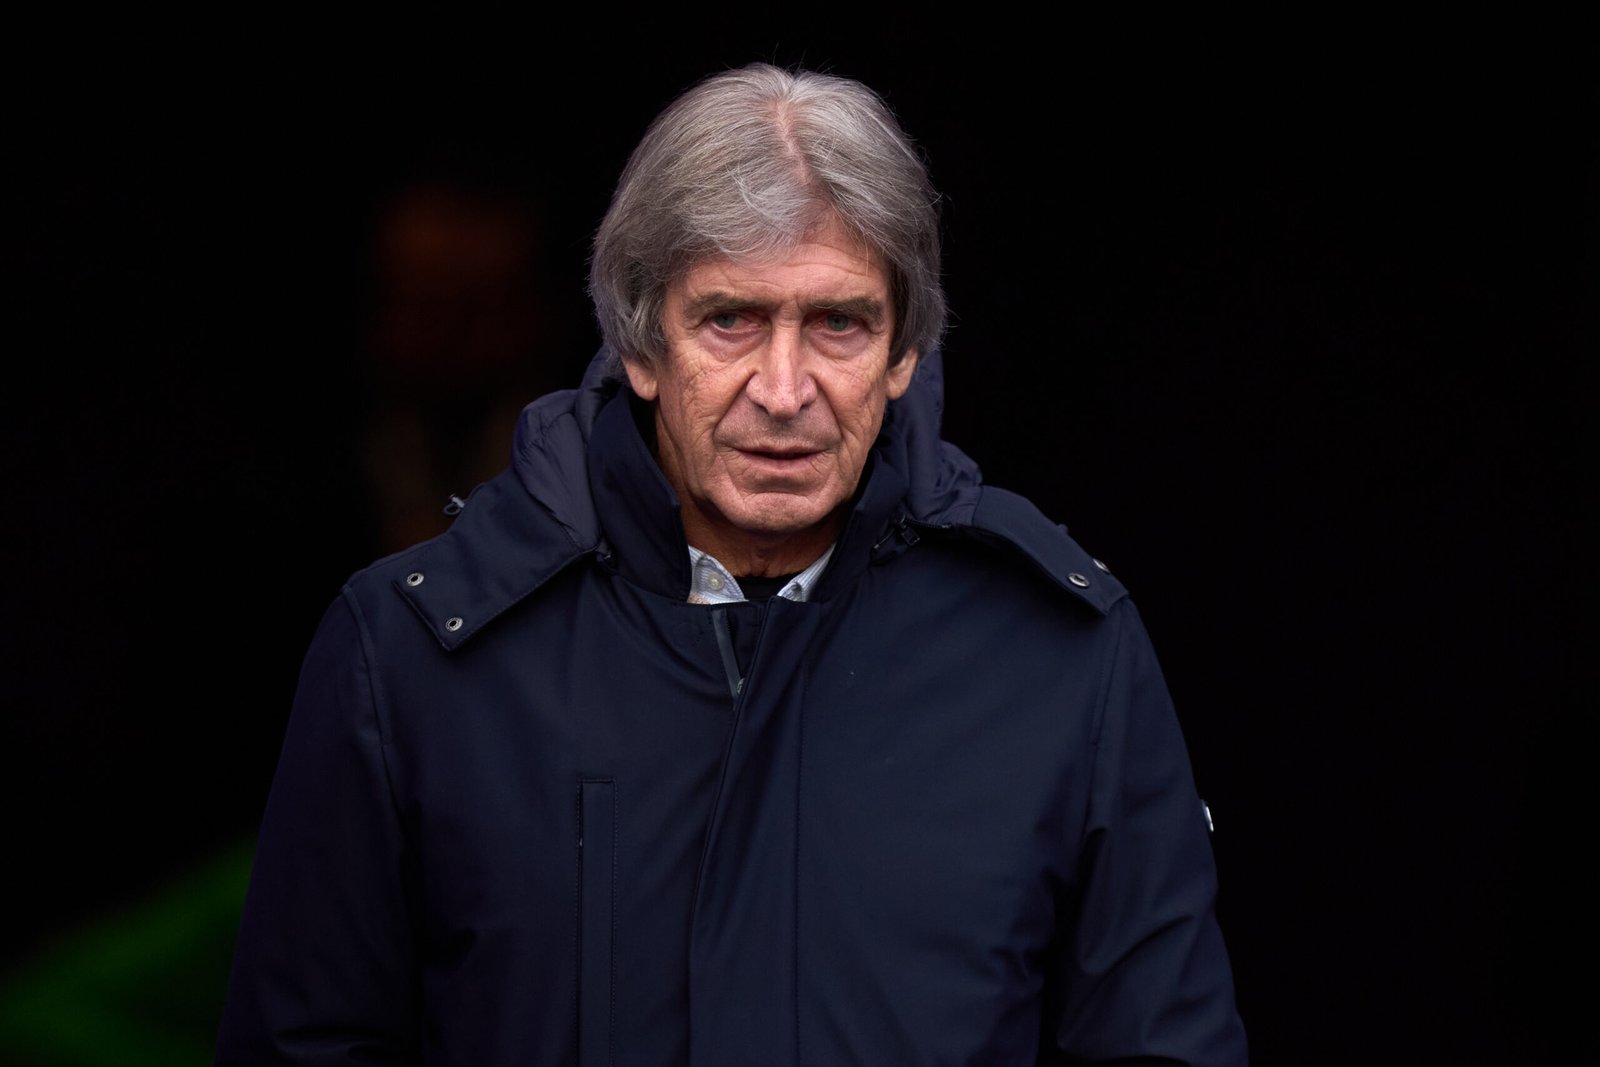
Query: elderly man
{"x": 738, "y": 722}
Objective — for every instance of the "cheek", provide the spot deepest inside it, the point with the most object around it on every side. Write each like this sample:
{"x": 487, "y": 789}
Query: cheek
{"x": 865, "y": 432}
{"x": 860, "y": 410}
{"x": 697, "y": 406}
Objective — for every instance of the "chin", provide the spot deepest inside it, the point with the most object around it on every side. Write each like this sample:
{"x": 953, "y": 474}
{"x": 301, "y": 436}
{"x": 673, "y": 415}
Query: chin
{"x": 779, "y": 525}
{"x": 780, "y": 518}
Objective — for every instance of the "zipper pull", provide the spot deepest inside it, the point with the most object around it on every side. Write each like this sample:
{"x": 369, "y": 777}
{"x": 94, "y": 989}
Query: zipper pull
{"x": 730, "y": 665}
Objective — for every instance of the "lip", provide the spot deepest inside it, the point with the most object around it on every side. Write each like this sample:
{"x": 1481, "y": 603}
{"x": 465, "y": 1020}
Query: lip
{"x": 779, "y": 461}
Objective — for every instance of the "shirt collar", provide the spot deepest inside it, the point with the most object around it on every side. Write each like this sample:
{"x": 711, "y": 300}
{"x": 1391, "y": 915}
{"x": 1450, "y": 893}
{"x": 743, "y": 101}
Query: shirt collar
{"x": 710, "y": 582}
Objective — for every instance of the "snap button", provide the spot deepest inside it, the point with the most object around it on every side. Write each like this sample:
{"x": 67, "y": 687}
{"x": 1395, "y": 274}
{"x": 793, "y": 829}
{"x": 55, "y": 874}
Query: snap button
{"x": 714, "y": 582}
{"x": 1102, "y": 566}
{"x": 1078, "y": 580}
{"x": 414, "y": 578}
{"x": 453, "y": 624}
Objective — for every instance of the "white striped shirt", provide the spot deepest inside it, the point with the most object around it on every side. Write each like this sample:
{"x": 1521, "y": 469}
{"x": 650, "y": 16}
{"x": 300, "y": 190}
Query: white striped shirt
{"x": 710, "y": 582}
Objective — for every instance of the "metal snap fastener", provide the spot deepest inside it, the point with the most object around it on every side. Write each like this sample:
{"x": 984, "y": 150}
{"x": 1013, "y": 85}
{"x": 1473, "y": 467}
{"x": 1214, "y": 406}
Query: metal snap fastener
{"x": 1078, "y": 580}
{"x": 414, "y": 578}
{"x": 714, "y": 581}
{"x": 453, "y": 624}
{"x": 1102, "y": 566}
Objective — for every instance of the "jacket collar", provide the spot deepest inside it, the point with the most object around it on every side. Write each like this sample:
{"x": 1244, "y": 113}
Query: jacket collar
{"x": 641, "y": 515}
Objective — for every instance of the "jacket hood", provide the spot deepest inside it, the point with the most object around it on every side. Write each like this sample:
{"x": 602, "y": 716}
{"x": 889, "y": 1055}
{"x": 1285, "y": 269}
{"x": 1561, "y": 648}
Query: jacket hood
{"x": 541, "y": 516}
{"x": 549, "y": 452}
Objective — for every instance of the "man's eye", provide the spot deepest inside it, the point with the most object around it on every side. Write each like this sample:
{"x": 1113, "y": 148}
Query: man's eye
{"x": 725, "y": 320}
{"x": 838, "y": 321}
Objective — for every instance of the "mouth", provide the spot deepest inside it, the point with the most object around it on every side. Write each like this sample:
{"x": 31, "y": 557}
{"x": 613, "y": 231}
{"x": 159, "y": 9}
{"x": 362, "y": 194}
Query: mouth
{"x": 780, "y": 453}
{"x": 780, "y": 460}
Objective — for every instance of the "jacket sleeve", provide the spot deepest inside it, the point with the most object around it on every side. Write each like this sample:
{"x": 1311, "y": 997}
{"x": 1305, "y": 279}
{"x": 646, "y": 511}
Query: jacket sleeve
{"x": 324, "y": 968}
{"x": 1144, "y": 976}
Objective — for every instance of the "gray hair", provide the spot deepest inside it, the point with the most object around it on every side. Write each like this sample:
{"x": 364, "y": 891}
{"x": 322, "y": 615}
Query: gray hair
{"x": 746, "y": 165}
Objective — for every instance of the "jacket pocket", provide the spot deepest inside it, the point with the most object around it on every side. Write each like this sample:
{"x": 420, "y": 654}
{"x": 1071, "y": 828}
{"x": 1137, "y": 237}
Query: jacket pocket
{"x": 597, "y": 868}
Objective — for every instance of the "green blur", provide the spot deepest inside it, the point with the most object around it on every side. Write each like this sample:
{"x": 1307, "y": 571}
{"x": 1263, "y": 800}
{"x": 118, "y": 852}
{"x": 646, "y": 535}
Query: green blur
{"x": 143, "y": 986}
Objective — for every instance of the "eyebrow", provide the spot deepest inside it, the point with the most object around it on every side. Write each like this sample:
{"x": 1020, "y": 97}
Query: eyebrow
{"x": 865, "y": 308}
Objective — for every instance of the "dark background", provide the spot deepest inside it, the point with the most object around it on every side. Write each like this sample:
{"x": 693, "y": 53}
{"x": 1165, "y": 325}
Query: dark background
{"x": 1290, "y": 335}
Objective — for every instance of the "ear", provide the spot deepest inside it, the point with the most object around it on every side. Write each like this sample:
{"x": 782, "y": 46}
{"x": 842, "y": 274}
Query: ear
{"x": 643, "y": 378}
{"x": 898, "y": 378}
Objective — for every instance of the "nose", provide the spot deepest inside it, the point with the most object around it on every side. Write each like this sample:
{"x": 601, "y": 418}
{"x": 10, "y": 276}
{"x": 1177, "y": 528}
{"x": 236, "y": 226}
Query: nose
{"x": 782, "y": 385}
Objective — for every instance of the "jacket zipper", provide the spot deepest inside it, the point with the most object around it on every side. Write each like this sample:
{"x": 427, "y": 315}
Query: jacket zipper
{"x": 730, "y": 662}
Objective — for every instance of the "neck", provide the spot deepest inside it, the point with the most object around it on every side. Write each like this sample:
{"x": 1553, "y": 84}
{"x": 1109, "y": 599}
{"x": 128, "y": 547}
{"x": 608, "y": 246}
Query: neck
{"x": 767, "y": 556}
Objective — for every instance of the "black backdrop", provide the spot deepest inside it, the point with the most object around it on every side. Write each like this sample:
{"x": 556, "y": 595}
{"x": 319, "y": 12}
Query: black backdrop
{"x": 1290, "y": 335}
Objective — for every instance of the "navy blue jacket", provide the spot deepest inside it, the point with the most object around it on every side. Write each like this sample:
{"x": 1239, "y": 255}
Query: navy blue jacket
{"x": 534, "y": 807}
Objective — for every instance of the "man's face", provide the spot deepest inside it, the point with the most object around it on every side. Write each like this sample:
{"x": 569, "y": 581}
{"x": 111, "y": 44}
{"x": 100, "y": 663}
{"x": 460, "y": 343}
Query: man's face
{"x": 771, "y": 394}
